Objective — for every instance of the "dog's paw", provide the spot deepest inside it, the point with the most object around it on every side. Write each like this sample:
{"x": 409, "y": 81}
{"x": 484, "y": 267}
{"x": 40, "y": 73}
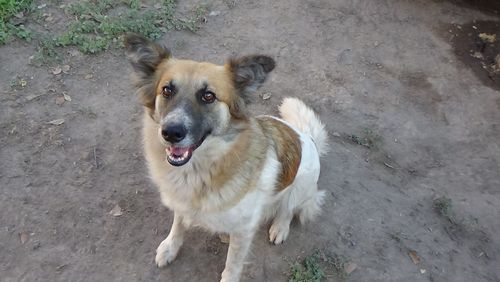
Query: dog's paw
{"x": 166, "y": 252}
{"x": 279, "y": 232}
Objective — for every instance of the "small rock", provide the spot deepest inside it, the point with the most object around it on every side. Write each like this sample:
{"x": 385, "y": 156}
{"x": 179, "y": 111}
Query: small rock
{"x": 336, "y": 134}
{"x": 66, "y": 68}
{"x": 266, "y": 96}
{"x": 477, "y": 55}
{"x": 214, "y": 13}
{"x": 23, "y": 237}
{"x": 42, "y": 6}
{"x": 422, "y": 271}
{"x": 89, "y": 76}
{"x": 60, "y": 100}
{"x": 116, "y": 211}
{"x": 49, "y": 19}
{"x": 57, "y": 70}
{"x": 67, "y": 97}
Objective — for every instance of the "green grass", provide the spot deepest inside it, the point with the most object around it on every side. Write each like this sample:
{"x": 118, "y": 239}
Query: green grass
{"x": 8, "y": 10}
{"x": 94, "y": 26}
{"x": 99, "y": 25}
{"x": 307, "y": 271}
{"x": 315, "y": 266}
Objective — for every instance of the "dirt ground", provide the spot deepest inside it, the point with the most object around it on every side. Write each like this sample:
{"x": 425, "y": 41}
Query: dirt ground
{"x": 413, "y": 174}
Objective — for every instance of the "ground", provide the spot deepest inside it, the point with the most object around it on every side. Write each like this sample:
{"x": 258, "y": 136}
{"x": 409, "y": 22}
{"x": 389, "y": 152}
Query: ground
{"x": 412, "y": 176}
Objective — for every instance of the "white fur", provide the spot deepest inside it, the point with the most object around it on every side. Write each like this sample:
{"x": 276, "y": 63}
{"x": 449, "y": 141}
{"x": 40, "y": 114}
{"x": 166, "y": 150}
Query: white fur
{"x": 177, "y": 186}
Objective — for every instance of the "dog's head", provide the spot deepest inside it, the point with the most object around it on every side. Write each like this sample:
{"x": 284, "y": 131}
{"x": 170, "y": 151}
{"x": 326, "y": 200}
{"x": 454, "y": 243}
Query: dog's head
{"x": 191, "y": 100}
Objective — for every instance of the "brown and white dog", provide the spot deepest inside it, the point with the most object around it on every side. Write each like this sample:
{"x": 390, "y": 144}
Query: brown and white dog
{"x": 215, "y": 166}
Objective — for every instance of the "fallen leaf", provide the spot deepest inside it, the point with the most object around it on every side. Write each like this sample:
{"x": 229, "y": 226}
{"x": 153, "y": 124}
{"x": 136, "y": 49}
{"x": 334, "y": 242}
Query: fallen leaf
{"x": 56, "y": 121}
{"x": 414, "y": 257}
{"x": 49, "y": 19}
{"x": 490, "y": 38}
{"x": 224, "y": 238}
{"x": 42, "y": 6}
{"x": 67, "y": 97}
{"x": 23, "y": 237}
{"x": 116, "y": 211}
{"x": 89, "y": 76}
{"x": 66, "y": 68}
{"x": 60, "y": 100}
{"x": 350, "y": 267}
{"x": 23, "y": 82}
{"x": 266, "y": 96}
{"x": 19, "y": 15}
{"x": 57, "y": 70}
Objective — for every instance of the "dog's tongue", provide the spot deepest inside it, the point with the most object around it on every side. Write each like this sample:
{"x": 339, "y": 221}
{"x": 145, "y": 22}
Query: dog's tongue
{"x": 177, "y": 151}
{"x": 178, "y": 156}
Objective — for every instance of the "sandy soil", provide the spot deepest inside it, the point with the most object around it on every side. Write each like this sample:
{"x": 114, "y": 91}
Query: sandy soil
{"x": 410, "y": 118}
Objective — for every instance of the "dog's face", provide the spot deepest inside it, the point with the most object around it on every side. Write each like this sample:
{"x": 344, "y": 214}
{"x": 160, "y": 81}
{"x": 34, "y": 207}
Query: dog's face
{"x": 192, "y": 101}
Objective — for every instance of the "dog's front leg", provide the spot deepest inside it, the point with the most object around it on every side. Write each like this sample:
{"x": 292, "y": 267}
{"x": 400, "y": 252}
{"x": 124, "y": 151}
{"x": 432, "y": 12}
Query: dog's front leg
{"x": 168, "y": 249}
{"x": 239, "y": 244}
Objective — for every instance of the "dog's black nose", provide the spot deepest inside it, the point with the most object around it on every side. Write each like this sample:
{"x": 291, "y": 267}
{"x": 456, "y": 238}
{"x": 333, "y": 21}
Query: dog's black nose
{"x": 174, "y": 133}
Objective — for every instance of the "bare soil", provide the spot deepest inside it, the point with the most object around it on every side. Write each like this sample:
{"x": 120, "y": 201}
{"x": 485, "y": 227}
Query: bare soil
{"x": 411, "y": 119}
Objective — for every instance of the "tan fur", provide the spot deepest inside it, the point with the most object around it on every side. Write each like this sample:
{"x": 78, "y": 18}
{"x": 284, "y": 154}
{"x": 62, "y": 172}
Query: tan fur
{"x": 286, "y": 143}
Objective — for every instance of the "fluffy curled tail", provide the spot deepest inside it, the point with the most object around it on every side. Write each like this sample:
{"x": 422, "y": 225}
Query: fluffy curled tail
{"x": 300, "y": 115}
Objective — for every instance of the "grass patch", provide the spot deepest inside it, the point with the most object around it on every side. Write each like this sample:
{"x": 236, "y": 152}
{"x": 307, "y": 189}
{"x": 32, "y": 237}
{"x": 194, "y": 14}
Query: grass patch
{"x": 315, "y": 267}
{"x": 94, "y": 26}
{"x": 99, "y": 25}
{"x": 9, "y": 9}
{"x": 444, "y": 207}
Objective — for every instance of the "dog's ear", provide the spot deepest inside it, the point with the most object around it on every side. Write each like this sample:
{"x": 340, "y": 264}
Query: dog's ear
{"x": 249, "y": 72}
{"x": 145, "y": 56}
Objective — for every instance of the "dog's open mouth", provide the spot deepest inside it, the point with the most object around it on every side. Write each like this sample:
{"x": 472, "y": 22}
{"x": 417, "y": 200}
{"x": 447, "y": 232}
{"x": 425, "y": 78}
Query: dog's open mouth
{"x": 178, "y": 156}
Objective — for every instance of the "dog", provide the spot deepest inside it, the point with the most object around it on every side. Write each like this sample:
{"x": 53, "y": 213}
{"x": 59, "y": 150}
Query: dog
{"x": 215, "y": 166}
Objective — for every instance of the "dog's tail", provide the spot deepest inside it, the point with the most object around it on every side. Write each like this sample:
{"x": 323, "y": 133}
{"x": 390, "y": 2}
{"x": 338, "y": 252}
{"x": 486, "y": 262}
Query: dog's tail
{"x": 298, "y": 114}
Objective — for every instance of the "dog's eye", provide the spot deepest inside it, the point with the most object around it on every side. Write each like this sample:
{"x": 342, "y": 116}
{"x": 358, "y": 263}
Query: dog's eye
{"x": 168, "y": 90}
{"x": 208, "y": 97}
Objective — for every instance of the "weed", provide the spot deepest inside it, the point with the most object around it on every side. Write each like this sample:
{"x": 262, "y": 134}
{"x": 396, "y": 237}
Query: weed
{"x": 18, "y": 83}
{"x": 367, "y": 138}
{"x": 313, "y": 267}
{"x": 46, "y": 53}
{"x": 444, "y": 207}
{"x": 337, "y": 262}
{"x": 308, "y": 271}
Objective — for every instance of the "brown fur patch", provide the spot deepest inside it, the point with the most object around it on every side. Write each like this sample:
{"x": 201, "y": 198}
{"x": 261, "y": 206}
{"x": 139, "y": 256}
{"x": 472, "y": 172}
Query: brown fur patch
{"x": 286, "y": 142}
{"x": 242, "y": 165}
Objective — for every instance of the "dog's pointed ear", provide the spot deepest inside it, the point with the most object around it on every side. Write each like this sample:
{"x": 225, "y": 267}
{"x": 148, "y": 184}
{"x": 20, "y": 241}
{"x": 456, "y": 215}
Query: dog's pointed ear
{"x": 249, "y": 72}
{"x": 145, "y": 56}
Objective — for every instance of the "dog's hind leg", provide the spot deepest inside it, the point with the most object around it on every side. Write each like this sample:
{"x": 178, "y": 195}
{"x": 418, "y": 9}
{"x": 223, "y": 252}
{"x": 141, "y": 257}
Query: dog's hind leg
{"x": 168, "y": 249}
